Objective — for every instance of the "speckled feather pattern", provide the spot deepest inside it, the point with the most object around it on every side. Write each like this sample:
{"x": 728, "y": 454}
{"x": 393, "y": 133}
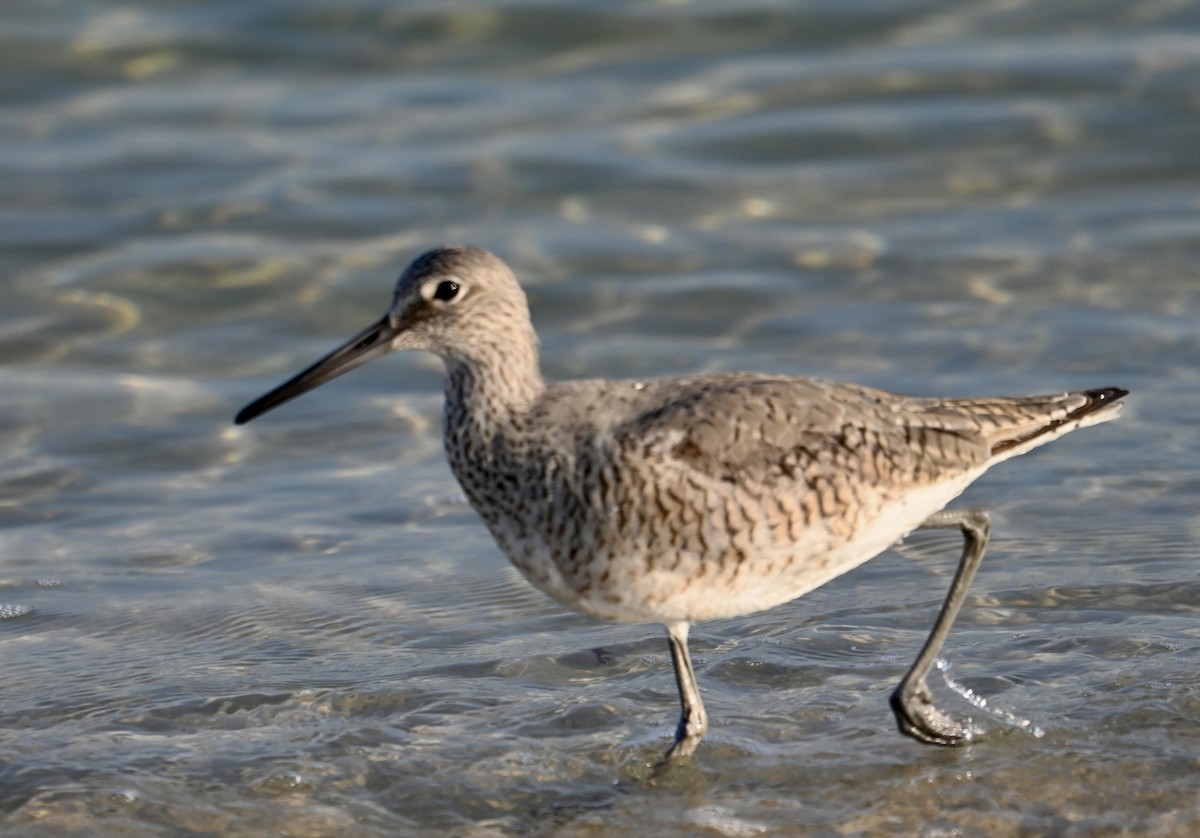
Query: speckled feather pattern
{"x": 676, "y": 500}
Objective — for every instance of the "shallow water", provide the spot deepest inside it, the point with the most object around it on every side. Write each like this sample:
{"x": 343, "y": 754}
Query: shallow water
{"x": 299, "y": 627}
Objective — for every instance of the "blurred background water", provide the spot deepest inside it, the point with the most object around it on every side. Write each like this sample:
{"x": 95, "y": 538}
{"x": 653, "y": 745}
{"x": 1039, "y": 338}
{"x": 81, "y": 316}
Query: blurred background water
{"x": 299, "y": 628}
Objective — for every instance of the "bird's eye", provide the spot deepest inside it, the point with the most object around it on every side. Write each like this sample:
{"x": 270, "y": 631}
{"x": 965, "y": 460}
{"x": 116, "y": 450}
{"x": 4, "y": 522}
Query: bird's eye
{"x": 446, "y": 290}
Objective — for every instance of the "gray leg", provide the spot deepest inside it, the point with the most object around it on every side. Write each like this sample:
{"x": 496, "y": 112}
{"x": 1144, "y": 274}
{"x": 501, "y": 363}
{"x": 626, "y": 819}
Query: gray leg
{"x": 911, "y": 701}
{"x": 692, "y": 722}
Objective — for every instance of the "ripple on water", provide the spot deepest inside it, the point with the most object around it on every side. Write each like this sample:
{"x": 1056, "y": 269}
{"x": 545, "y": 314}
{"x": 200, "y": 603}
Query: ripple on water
{"x": 9, "y": 611}
{"x": 299, "y": 628}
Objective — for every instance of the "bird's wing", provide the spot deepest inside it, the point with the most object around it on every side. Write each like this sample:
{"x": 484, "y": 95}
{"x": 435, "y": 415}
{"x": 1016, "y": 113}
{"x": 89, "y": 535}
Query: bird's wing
{"x": 769, "y": 430}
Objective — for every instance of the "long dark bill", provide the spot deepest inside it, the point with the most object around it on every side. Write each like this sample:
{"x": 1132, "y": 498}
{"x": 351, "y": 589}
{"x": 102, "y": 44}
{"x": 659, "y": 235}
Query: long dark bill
{"x": 370, "y": 343}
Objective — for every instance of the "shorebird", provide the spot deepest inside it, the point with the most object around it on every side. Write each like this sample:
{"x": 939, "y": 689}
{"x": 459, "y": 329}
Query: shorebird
{"x": 684, "y": 499}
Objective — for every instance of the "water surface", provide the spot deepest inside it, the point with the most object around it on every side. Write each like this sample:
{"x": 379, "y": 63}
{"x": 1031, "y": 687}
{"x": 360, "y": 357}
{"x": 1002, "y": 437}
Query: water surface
{"x": 300, "y": 627}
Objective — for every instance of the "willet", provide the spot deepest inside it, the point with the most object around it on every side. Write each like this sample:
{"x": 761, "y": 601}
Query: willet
{"x": 684, "y": 499}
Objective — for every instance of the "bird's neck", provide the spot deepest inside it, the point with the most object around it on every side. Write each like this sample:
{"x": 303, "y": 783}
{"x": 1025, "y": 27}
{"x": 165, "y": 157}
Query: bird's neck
{"x": 487, "y": 394}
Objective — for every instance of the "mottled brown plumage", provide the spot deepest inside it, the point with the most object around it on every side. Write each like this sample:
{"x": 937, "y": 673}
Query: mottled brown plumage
{"x": 685, "y": 499}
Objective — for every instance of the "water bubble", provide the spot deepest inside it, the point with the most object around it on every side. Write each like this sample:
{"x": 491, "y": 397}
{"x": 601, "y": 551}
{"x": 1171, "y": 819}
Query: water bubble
{"x": 975, "y": 699}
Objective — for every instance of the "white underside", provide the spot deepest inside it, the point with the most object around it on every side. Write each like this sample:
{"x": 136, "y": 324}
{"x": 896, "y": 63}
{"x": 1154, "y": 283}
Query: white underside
{"x": 692, "y": 591}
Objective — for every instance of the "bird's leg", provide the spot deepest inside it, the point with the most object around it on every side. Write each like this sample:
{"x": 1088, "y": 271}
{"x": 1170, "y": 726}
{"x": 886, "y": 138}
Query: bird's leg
{"x": 911, "y": 700}
{"x": 692, "y": 722}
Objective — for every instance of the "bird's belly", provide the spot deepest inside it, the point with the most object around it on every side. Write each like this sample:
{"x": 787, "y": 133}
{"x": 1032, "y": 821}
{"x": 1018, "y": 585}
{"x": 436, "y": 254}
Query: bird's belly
{"x": 637, "y": 580}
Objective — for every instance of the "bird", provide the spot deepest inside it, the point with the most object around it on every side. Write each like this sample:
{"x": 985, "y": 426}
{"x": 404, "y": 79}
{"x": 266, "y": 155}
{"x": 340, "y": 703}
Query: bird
{"x": 703, "y": 497}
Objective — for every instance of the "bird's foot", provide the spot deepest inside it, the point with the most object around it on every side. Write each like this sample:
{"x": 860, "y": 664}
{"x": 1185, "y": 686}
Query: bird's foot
{"x": 687, "y": 739}
{"x": 682, "y": 749}
{"x": 917, "y": 717}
